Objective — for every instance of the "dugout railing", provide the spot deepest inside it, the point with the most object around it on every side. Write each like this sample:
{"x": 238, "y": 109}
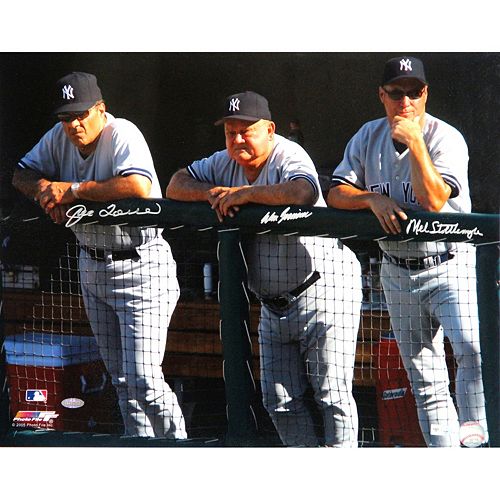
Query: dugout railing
{"x": 356, "y": 228}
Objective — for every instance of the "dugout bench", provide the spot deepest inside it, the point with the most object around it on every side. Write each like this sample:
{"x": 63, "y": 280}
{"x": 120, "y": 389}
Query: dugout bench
{"x": 195, "y": 351}
{"x": 194, "y": 347}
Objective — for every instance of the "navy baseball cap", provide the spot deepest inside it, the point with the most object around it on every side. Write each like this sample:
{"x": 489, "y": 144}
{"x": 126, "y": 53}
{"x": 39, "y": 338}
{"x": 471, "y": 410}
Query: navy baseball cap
{"x": 403, "y": 67}
{"x": 76, "y": 93}
{"x": 248, "y": 106}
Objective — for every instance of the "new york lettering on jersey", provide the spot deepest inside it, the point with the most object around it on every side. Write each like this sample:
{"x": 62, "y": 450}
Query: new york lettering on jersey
{"x": 408, "y": 196}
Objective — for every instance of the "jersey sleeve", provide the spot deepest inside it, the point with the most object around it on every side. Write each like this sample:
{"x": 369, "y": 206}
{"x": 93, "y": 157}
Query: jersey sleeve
{"x": 42, "y": 158}
{"x": 217, "y": 169}
{"x": 297, "y": 164}
{"x": 130, "y": 151}
{"x": 450, "y": 156}
{"x": 351, "y": 169}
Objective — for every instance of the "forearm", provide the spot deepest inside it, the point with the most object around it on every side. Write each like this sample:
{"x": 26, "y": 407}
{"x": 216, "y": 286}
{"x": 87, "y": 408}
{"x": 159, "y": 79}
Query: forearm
{"x": 115, "y": 188}
{"x": 349, "y": 198}
{"x": 428, "y": 186}
{"x": 183, "y": 187}
{"x": 51, "y": 194}
{"x": 28, "y": 182}
{"x": 298, "y": 192}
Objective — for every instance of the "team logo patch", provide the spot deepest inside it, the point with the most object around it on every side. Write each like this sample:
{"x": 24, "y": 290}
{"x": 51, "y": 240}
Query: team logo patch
{"x": 405, "y": 65}
{"x": 36, "y": 395}
{"x": 67, "y": 92}
{"x": 72, "y": 403}
{"x": 38, "y": 419}
{"x": 234, "y": 104}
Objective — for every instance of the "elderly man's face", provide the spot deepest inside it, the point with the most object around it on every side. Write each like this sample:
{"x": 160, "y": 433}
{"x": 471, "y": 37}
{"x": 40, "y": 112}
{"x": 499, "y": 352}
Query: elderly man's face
{"x": 406, "y": 106}
{"x": 83, "y": 130}
{"x": 249, "y": 143}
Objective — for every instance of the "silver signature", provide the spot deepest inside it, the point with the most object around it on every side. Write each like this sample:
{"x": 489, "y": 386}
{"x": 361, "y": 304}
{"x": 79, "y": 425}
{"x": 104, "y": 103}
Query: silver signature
{"x": 284, "y": 216}
{"x": 435, "y": 227}
{"x": 78, "y": 212}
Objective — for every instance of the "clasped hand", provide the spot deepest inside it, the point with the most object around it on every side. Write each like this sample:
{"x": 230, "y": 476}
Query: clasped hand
{"x": 226, "y": 200}
{"x": 54, "y": 198}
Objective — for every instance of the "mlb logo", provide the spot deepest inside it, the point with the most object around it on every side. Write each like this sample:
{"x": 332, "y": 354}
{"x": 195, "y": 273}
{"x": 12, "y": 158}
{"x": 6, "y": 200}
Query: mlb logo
{"x": 36, "y": 395}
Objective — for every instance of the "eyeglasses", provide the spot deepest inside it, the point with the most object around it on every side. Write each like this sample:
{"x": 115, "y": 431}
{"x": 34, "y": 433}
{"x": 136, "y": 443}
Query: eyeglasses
{"x": 397, "y": 95}
{"x": 69, "y": 117}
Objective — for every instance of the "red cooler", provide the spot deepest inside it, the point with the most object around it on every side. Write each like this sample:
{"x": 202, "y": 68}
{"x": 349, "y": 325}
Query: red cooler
{"x": 397, "y": 413}
{"x": 59, "y": 382}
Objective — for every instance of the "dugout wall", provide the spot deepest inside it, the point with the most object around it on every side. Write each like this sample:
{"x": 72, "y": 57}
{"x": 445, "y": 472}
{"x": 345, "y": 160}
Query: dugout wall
{"x": 238, "y": 313}
{"x": 168, "y": 82}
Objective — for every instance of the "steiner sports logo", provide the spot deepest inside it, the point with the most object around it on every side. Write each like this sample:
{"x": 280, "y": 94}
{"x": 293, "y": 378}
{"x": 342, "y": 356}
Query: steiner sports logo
{"x": 72, "y": 403}
{"x": 416, "y": 226}
{"x": 285, "y": 215}
{"x": 394, "y": 394}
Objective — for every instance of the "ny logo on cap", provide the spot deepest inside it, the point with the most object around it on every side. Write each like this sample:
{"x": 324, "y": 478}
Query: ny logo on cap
{"x": 405, "y": 64}
{"x": 234, "y": 104}
{"x": 67, "y": 92}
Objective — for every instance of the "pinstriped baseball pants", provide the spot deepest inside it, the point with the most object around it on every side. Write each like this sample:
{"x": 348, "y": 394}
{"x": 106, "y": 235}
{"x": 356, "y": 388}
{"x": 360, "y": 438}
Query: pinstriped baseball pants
{"x": 129, "y": 305}
{"x": 424, "y": 307}
{"x": 313, "y": 345}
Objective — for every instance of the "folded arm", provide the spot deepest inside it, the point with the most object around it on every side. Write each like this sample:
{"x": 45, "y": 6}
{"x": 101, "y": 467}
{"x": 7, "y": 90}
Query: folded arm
{"x": 431, "y": 191}
{"x": 54, "y": 196}
{"x": 226, "y": 200}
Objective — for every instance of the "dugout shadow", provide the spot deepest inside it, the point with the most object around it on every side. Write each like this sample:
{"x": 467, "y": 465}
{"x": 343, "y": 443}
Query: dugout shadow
{"x": 29, "y": 237}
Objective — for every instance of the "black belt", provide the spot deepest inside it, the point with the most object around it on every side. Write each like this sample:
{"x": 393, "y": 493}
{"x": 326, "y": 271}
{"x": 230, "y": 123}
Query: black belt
{"x": 417, "y": 264}
{"x": 101, "y": 254}
{"x": 285, "y": 301}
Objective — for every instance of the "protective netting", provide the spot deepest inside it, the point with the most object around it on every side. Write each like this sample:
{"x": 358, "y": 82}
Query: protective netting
{"x": 124, "y": 340}
{"x": 86, "y": 335}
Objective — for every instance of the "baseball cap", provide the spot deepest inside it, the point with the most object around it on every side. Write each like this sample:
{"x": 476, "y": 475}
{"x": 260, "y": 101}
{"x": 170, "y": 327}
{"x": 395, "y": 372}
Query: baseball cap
{"x": 247, "y": 105}
{"x": 76, "y": 92}
{"x": 403, "y": 67}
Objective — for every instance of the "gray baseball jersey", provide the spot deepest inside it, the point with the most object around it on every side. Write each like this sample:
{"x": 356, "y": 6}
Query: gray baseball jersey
{"x": 425, "y": 305}
{"x": 121, "y": 150}
{"x": 272, "y": 253}
{"x": 319, "y": 330}
{"x": 372, "y": 163}
{"x": 129, "y": 302}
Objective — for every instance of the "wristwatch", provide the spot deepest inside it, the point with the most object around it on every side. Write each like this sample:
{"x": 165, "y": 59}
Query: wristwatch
{"x": 74, "y": 189}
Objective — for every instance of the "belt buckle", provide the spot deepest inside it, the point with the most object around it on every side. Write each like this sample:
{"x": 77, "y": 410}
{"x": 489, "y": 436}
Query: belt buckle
{"x": 92, "y": 252}
{"x": 291, "y": 299}
{"x": 95, "y": 253}
{"x": 281, "y": 302}
{"x": 409, "y": 262}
